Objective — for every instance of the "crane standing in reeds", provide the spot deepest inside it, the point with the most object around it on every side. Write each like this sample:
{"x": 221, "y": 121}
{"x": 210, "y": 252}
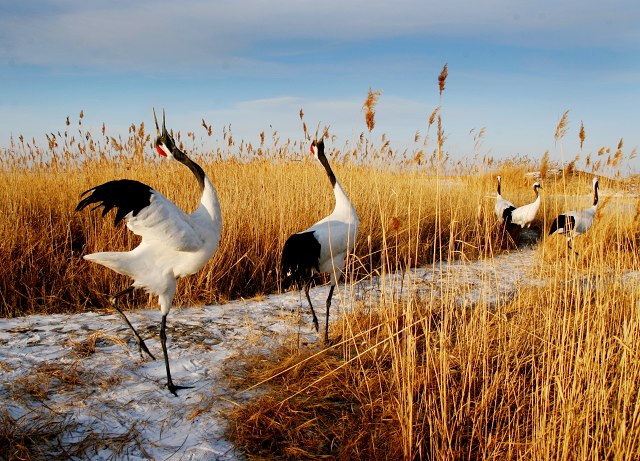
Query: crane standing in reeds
{"x": 324, "y": 246}
{"x": 503, "y": 208}
{"x": 574, "y": 223}
{"x": 524, "y": 215}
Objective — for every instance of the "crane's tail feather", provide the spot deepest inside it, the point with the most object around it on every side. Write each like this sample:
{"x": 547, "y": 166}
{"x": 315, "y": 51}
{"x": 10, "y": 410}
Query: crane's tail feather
{"x": 115, "y": 260}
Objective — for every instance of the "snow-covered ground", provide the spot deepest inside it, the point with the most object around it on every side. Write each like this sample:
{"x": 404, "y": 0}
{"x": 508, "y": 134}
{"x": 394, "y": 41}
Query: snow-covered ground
{"x": 113, "y": 391}
{"x": 85, "y": 368}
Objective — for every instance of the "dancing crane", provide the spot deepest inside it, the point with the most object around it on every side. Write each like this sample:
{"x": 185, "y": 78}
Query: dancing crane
{"x": 174, "y": 244}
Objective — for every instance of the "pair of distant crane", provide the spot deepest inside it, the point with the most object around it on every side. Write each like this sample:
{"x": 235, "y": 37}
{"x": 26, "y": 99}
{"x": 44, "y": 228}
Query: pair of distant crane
{"x": 570, "y": 223}
{"x": 175, "y": 244}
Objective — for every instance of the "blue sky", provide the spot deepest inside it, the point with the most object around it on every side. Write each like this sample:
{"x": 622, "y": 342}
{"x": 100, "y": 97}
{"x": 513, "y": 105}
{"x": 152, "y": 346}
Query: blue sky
{"x": 514, "y": 68}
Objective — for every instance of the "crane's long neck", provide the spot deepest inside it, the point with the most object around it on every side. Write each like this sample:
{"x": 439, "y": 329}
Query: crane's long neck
{"x": 499, "y": 187}
{"x": 197, "y": 171}
{"x": 343, "y": 207}
{"x": 209, "y": 199}
{"x": 327, "y": 167}
{"x": 595, "y": 194}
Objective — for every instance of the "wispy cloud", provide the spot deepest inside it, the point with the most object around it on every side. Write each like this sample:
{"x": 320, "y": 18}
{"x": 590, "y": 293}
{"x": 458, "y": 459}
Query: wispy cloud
{"x": 254, "y": 64}
{"x": 166, "y": 36}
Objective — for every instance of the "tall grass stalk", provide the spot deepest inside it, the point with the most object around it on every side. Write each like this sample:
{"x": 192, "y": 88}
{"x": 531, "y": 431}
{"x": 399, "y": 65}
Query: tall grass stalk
{"x": 550, "y": 372}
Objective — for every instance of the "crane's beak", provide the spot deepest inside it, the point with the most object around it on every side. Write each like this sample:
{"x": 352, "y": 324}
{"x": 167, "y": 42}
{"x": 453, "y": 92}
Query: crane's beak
{"x": 164, "y": 132}
{"x": 164, "y": 128}
{"x": 155, "y": 119}
{"x": 163, "y": 141}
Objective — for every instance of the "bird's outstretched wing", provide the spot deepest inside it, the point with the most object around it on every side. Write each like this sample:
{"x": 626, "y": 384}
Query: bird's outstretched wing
{"x": 125, "y": 195}
{"x": 148, "y": 213}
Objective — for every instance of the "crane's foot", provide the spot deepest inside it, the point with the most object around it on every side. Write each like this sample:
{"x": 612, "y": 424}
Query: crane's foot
{"x": 174, "y": 389}
{"x": 143, "y": 347}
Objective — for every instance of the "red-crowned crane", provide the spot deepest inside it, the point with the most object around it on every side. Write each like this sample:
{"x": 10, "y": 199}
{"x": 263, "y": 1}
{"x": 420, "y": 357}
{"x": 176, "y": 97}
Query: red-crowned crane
{"x": 503, "y": 208}
{"x": 574, "y": 223}
{"x": 324, "y": 246}
{"x": 524, "y": 215}
{"x": 174, "y": 244}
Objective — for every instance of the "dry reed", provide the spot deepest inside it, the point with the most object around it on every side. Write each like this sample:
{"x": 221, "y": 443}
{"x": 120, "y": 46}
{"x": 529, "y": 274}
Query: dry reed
{"x": 43, "y": 239}
{"x": 550, "y": 373}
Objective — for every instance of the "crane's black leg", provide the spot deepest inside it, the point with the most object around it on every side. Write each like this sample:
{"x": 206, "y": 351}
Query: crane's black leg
{"x": 114, "y": 302}
{"x": 326, "y": 320}
{"x": 163, "y": 340}
{"x": 571, "y": 248}
{"x": 315, "y": 319}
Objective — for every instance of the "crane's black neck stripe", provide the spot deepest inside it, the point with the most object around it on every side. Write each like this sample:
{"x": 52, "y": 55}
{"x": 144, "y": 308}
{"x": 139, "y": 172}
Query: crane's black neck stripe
{"x": 193, "y": 166}
{"x": 125, "y": 195}
{"x": 499, "y": 187}
{"x": 301, "y": 256}
{"x": 595, "y": 195}
{"x": 325, "y": 163}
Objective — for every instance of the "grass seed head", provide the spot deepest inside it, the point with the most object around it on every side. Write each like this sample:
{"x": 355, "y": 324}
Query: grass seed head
{"x": 562, "y": 127}
{"x": 442, "y": 78}
{"x": 369, "y": 108}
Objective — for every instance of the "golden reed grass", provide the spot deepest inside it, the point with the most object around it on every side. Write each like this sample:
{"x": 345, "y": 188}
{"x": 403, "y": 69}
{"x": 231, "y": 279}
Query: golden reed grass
{"x": 265, "y": 197}
{"x": 552, "y": 373}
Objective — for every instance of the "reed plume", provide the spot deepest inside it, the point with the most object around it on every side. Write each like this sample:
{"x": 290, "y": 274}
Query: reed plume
{"x": 369, "y": 108}
{"x": 562, "y": 127}
{"x": 544, "y": 164}
{"x": 442, "y": 78}
{"x": 433, "y": 116}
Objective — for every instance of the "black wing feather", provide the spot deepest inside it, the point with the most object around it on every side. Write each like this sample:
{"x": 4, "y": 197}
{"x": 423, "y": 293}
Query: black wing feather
{"x": 562, "y": 223}
{"x": 125, "y": 195}
{"x": 506, "y": 215}
{"x": 300, "y": 256}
